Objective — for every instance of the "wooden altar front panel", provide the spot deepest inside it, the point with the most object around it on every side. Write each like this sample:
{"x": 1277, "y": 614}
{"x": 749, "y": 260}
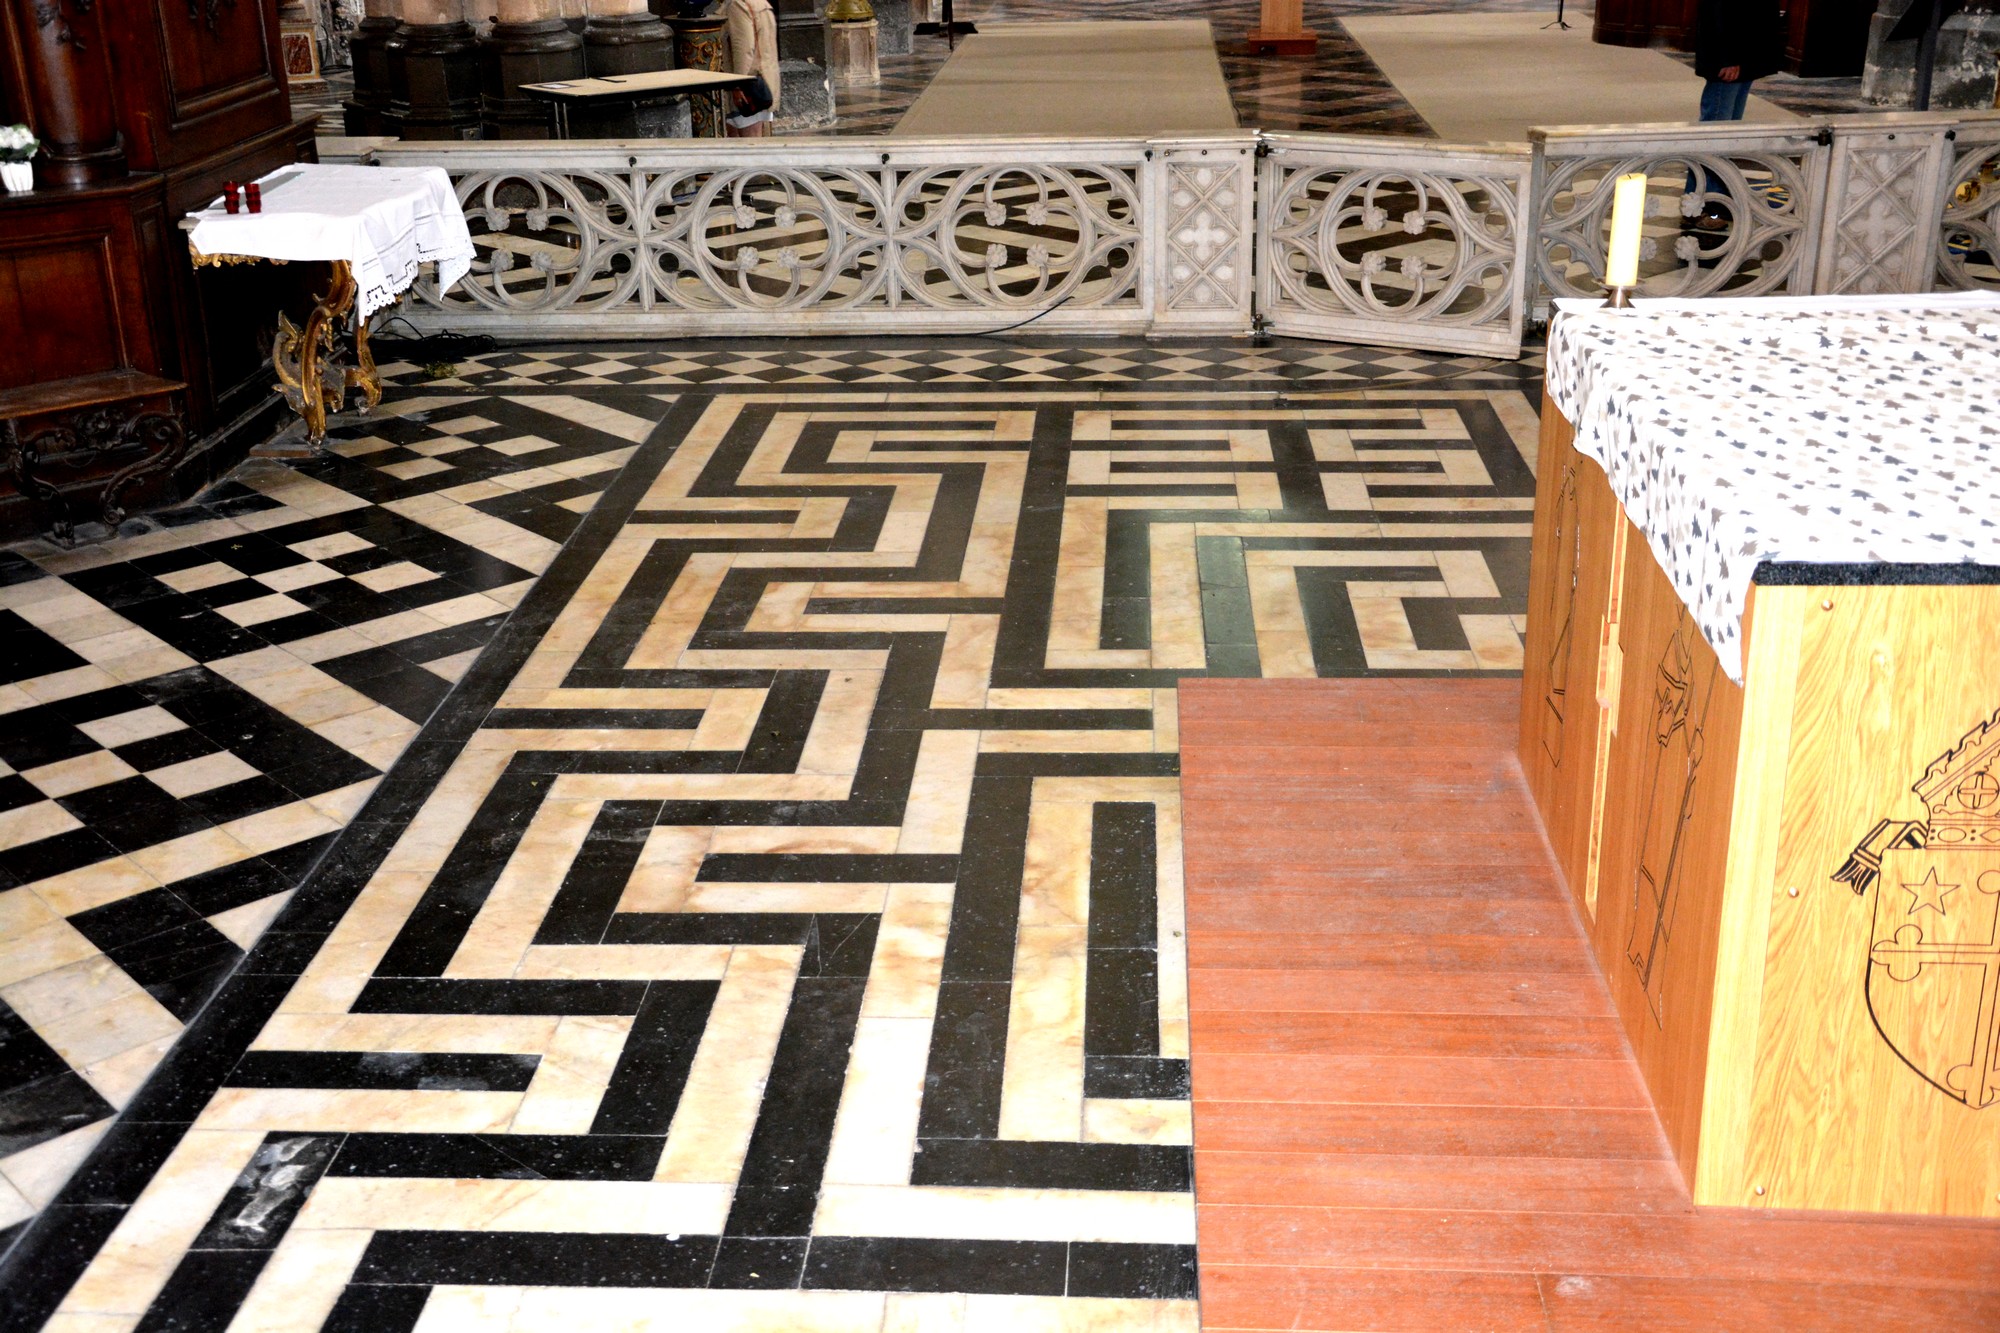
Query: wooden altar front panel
{"x": 1800, "y": 1053}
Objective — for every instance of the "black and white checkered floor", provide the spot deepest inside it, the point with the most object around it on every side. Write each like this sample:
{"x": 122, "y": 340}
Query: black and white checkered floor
{"x": 683, "y": 836}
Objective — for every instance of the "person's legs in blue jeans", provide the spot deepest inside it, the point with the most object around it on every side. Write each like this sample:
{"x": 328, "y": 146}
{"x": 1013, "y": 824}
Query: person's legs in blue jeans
{"x": 1720, "y": 101}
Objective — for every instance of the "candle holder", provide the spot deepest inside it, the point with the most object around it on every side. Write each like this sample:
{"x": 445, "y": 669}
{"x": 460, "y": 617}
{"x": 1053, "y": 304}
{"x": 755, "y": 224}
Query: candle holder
{"x": 1617, "y": 298}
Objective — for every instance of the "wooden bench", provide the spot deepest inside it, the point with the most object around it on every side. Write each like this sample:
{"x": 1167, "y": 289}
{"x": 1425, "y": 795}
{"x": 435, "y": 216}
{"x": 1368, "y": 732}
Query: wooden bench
{"x": 100, "y": 434}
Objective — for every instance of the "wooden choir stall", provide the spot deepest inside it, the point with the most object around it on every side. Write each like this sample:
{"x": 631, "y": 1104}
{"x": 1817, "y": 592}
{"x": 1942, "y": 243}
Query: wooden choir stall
{"x": 1761, "y": 722}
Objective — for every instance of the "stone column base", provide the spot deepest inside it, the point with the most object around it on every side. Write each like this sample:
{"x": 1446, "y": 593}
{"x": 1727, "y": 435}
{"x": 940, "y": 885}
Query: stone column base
{"x": 538, "y": 51}
{"x": 435, "y": 80}
{"x": 627, "y": 44}
{"x": 851, "y": 52}
{"x": 369, "y": 111}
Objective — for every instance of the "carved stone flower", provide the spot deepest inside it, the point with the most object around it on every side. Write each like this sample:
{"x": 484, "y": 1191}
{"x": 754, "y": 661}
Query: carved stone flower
{"x": 1373, "y": 263}
{"x": 496, "y": 219}
{"x": 1413, "y": 223}
{"x": 1373, "y": 218}
{"x": 746, "y": 257}
{"x": 996, "y": 215}
{"x": 1038, "y": 256}
{"x": 996, "y": 255}
{"x": 538, "y": 219}
{"x": 1413, "y": 268}
{"x": 746, "y": 217}
{"x": 1687, "y": 249}
{"x": 788, "y": 257}
{"x": 786, "y": 217}
{"x": 1037, "y": 214}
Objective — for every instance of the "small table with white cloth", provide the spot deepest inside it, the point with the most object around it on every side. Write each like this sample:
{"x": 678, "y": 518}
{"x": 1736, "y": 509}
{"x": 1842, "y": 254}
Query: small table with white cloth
{"x": 1760, "y": 717}
{"x": 376, "y": 226}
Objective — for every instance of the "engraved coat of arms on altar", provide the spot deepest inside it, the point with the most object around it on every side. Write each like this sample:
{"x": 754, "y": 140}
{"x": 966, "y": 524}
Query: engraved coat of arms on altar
{"x": 1934, "y": 954}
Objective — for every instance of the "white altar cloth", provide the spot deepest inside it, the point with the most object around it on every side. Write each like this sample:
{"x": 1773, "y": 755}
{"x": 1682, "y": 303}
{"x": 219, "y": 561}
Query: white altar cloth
{"x": 1859, "y": 430}
{"x": 384, "y": 221}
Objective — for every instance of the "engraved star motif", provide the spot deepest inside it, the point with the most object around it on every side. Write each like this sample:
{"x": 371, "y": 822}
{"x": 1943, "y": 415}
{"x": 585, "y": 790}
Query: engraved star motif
{"x": 1928, "y": 893}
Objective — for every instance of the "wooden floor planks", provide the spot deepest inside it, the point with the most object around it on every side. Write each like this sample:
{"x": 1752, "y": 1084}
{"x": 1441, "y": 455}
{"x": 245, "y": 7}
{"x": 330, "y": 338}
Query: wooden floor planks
{"x": 1414, "y": 1109}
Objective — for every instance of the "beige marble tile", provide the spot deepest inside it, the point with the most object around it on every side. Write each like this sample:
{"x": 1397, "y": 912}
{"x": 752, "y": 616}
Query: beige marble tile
{"x": 665, "y": 871}
{"x": 81, "y": 773}
{"x": 14, "y": 1206}
{"x": 280, "y": 826}
{"x": 962, "y": 1213}
{"x": 31, "y": 951}
{"x": 472, "y": 1033}
{"x": 875, "y": 1133}
{"x": 1284, "y": 647}
{"x": 569, "y": 1082}
{"x": 473, "y": 1310}
{"x": 1495, "y": 643}
{"x": 909, "y": 952}
{"x": 637, "y": 1206}
{"x": 191, "y": 854}
{"x": 1051, "y": 1314}
{"x": 724, "y": 1090}
{"x": 631, "y": 962}
{"x": 940, "y": 793}
{"x": 302, "y": 1281}
{"x": 196, "y": 577}
{"x": 206, "y": 773}
{"x": 89, "y": 1040}
{"x": 966, "y": 667}
{"x": 840, "y": 726}
{"x": 1113, "y": 1120}
{"x": 31, "y": 823}
{"x": 684, "y": 1310}
{"x": 1176, "y": 598}
{"x": 94, "y": 885}
{"x": 519, "y": 900}
{"x": 40, "y": 1171}
{"x": 69, "y": 990}
{"x": 333, "y": 544}
{"x": 359, "y": 1110}
{"x": 591, "y": 413}
{"x": 923, "y": 1312}
{"x": 728, "y": 720}
{"x": 143, "y": 1250}
{"x": 1055, "y": 878}
{"x": 1042, "y": 1090}
{"x": 137, "y": 725}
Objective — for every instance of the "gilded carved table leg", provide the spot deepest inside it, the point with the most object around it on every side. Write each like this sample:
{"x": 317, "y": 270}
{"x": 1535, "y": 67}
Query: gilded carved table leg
{"x": 364, "y": 376}
{"x": 303, "y": 357}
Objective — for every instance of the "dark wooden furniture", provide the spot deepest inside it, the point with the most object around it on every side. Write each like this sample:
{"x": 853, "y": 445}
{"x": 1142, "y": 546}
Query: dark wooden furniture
{"x": 90, "y": 443}
{"x": 1823, "y": 38}
{"x": 144, "y": 110}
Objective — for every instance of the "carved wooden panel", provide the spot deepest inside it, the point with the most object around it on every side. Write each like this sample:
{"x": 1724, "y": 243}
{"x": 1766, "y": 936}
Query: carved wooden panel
{"x": 199, "y": 77}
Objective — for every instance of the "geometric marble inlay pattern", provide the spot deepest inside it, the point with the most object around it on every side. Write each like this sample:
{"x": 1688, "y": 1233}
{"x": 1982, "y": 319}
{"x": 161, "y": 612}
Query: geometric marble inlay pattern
{"x": 779, "y": 922}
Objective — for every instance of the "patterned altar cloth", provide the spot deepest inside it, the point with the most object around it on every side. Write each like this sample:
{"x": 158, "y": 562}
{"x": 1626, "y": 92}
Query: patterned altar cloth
{"x": 1814, "y": 430}
{"x": 384, "y": 221}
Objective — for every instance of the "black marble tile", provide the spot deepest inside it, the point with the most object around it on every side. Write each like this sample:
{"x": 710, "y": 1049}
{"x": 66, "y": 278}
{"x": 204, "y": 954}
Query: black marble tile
{"x": 408, "y": 1070}
{"x": 132, "y": 813}
{"x": 30, "y": 651}
{"x": 377, "y": 1309}
{"x": 758, "y": 1263}
{"x": 1015, "y": 1164}
{"x": 1009, "y": 1267}
{"x": 778, "y": 1187}
{"x": 500, "y": 1156}
{"x": 1133, "y": 1272}
{"x": 645, "y": 1085}
{"x": 24, "y": 1057}
{"x": 48, "y": 1108}
{"x": 503, "y": 1258}
{"x": 268, "y": 1194}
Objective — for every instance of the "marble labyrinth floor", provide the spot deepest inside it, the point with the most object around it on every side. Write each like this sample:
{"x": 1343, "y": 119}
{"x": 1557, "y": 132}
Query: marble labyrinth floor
{"x": 683, "y": 835}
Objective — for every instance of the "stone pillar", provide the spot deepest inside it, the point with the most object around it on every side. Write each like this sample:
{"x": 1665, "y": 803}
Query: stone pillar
{"x": 370, "y": 111}
{"x": 702, "y": 43}
{"x": 626, "y": 37}
{"x": 70, "y": 92}
{"x": 576, "y": 13}
{"x": 434, "y": 72}
{"x": 1967, "y": 73}
{"x": 530, "y": 43}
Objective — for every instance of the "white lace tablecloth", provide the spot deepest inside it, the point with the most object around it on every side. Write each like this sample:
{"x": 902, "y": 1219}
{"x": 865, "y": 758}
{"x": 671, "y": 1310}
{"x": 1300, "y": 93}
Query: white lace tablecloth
{"x": 1816, "y": 430}
{"x": 384, "y": 221}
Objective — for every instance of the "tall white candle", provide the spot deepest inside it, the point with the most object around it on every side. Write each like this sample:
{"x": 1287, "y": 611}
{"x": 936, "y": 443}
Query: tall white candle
{"x": 1628, "y": 218}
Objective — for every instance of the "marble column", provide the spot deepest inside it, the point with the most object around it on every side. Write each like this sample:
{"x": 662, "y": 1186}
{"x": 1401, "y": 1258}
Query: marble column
{"x": 626, "y": 37}
{"x": 70, "y": 92}
{"x": 530, "y": 43}
{"x": 576, "y": 13}
{"x": 369, "y": 111}
{"x": 434, "y": 75}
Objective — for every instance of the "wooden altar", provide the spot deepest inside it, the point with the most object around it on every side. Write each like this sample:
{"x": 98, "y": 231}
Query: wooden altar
{"x": 1792, "y": 884}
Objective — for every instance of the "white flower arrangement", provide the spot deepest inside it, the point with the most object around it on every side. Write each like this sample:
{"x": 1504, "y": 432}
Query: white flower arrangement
{"x": 17, "y": 143}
